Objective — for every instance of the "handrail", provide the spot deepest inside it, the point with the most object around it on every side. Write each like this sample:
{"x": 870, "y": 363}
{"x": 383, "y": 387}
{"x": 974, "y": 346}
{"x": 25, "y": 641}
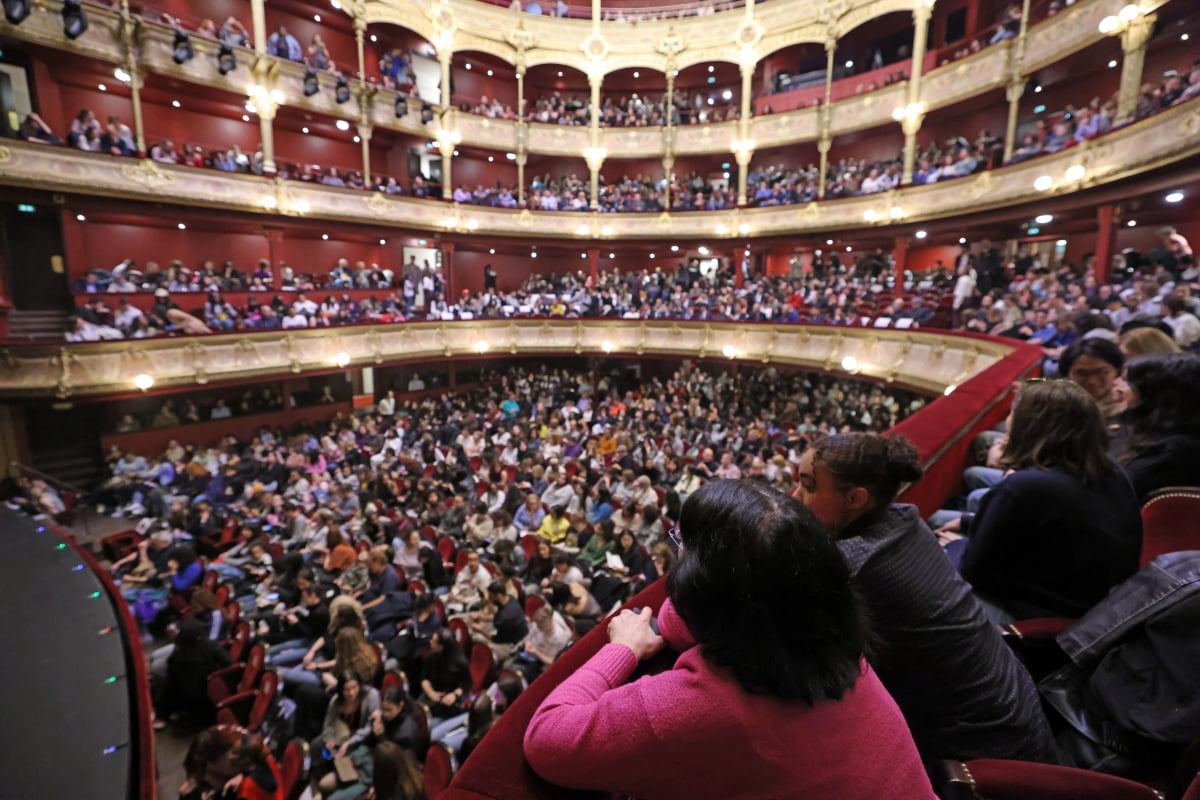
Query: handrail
{"x": 632, "y": 13}
{"x": 58, "y": 482}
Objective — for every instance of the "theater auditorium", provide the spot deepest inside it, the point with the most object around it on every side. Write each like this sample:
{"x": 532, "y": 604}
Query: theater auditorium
{"x": 520, "y": 399}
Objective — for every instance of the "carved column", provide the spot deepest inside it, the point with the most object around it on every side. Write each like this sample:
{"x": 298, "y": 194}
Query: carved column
{"x": 594, "y": 154}
{"x": 920, "y": 36}
{"x": 364, "y": 136}
{"x": 447, "y": 137}
{"x": 823, "y": 145}
{"x": 448, "y": 271}
{"x": 743, "y": 148}
{"x": 360, "y": 30}
{"x": 266, "y": 132}
{"x": 668, "y": 161}
{"x": 522, "y": 128}
{"x": 1133, "y": 42}
{"x": 258, "y": 25}
{"x": 911, "y": 125}
{"x": 129, "y": 26}
{"x": 1014, "y": 91}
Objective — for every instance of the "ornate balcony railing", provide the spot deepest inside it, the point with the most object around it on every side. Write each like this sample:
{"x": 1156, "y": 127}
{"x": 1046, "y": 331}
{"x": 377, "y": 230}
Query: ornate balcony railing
{"x": 1167, "y": 137}
{"x": 530, "y": 40}
{"x": 921, "y": 360}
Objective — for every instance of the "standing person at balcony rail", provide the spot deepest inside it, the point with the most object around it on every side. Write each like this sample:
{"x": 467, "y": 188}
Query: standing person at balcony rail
{"x": 787, "y": 699}
{"x": 961, "y": 689}
{"x": 282, "y": 44}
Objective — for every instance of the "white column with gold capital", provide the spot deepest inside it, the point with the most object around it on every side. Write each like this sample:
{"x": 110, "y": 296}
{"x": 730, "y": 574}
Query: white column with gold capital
{"x": 1134, "y": 36}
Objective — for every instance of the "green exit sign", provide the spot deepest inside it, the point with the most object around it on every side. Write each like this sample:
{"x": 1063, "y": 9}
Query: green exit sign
{"x": 25, "y": 208}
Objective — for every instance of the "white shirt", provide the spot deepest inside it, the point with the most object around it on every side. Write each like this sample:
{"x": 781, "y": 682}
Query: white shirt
{"x": 1186, "y": 327}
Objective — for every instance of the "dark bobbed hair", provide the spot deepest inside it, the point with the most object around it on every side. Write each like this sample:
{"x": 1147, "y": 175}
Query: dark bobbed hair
{"x": 1095, "y": 347}
{"x": 879, "y": 464}
{"x": 1057, "y": 424}
{"x": 1167, "y": 385}
{"x": 394, "y": 776}
{"x": 745, "y": 547}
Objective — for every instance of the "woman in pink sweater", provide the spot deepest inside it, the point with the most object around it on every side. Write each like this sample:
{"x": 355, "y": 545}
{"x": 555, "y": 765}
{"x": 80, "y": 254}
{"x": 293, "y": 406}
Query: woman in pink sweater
{"x": 770, "y": 696}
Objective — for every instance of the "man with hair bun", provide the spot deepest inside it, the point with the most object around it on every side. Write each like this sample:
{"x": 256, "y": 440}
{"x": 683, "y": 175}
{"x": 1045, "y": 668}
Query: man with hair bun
{"x": 962, "y": 691}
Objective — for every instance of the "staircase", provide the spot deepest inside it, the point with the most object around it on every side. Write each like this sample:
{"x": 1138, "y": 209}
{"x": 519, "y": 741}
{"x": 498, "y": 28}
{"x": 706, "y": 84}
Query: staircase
{"x": 37, "y": 324}
{"x": 70, "y": 465}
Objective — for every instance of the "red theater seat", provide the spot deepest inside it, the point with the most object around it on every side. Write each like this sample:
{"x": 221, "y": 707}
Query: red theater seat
{"x": 294, "y": 769}
{"x": 998, "y": 779}
{"x": 1170, "y": 522}
{"x": 440, "y": 767}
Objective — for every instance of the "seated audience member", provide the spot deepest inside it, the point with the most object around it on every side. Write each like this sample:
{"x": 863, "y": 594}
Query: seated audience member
{"x": 1063, "y": 527}
{"x": 1096, "y": 364}
{"x": 1157, "y": 438}
{"x": 258, "y": 775}
{"x": 395, "y": 776}
{"x": 446, "y": 676}
{"x": 961, "y": 689}
{"x": 348, "y": 723}
{"x": 504, "y": 629}
{"x": 789, "y": 699}
{"x": 194, "y": 657}
{"x": 208, "y": 763}
{"x": 548, "y": 637}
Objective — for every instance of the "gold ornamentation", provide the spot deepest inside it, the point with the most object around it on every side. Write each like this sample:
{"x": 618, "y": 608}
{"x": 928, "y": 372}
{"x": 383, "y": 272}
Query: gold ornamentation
{"x": 147, "y": 173}
{"x": 5, "y": 154}
{"x": 595, "y": 47}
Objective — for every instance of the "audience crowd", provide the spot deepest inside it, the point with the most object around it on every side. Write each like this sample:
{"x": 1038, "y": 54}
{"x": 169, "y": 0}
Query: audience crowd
{"x": 832, "y": 292}
{"x": 352, "y": 548}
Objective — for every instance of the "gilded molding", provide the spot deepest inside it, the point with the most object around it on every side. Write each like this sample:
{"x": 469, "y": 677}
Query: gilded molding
{"x": 1124, "y": 153}
{"x": 924, "y": 360}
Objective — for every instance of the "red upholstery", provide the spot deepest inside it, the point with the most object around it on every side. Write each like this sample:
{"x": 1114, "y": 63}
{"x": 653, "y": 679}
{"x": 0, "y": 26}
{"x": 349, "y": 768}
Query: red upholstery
{"x": 461, "y": 632}
{"x": 238, "y": 678}
{"x": 1170, "y": 522}
{"x": 497, "y": 768}
{"x": 394, "y": 678}
{"x": 460, "y": 560}
{"x": 446, "y": 547}
{"x": 417, "y": 587}
{"x": 943, "y": 430}
{"x": 250, "y": 708}
{"x": 212, "y": 579}
{"x": 424, "y": 728}
{"x": 238, "y": 643}
{"x": 529, "y": 544}
{"x": 118, "y": 545}
{"x": 1193, "y": 792}
{"x": 997, "y": 779}
{"x": 439, "y": 769}
{"x": 294, "y": 769}
{"x": 483, "y": 667}
{"x": 532, "y": 604}
{"x": 1038, "y": 627}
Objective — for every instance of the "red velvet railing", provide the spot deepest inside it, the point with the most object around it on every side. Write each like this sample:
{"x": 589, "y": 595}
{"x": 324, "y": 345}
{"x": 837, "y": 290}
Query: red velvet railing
{"x": 144, "y": 778}
{"x": 942, "y": 431}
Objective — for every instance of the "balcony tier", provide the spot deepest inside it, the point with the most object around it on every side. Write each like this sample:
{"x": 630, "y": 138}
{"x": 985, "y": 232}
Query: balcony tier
{"x": 926, "y": 361}
{"x": 1167, "y": 137}
{"x": 656, "y": 45}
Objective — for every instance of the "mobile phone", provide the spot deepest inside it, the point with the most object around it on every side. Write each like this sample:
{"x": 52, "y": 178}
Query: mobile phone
{"x": 653, "y": 621}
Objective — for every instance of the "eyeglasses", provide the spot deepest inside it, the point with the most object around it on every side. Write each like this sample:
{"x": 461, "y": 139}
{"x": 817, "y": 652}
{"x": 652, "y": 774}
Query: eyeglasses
{"x": 1081, "y": 375}
{"x": 673, "y": 535}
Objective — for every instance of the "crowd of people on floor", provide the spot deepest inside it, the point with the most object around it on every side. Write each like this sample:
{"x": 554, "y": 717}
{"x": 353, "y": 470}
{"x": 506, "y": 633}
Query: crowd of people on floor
{"x": 338, "y": 543}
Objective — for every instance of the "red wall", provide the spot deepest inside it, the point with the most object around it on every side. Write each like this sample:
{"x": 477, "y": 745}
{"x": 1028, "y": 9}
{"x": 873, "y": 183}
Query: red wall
{"x": 921, "y": 258}
{"x": 1143, "y": 238}
{"x": 512, "y": 270}
{"x": 99, "y": 244}
{"x": 475, "y": 170}
{"x": 872, "y": 145}
{"x": 192, "y": 127}
{"x": 208, "y": 433}
{"x": 472, "y": 84}
{"x": 74, "y": 98}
